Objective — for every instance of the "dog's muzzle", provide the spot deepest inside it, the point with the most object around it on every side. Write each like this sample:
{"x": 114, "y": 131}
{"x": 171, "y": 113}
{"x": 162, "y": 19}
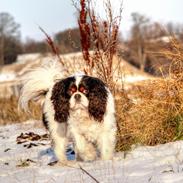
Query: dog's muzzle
{"x": 77, "y": 97}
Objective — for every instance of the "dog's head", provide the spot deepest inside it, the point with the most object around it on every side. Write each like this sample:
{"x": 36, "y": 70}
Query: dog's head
{"x": 79, "y": 93}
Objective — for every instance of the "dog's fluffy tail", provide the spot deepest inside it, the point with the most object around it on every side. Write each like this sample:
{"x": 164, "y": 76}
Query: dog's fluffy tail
{"x": 37, "y": 82}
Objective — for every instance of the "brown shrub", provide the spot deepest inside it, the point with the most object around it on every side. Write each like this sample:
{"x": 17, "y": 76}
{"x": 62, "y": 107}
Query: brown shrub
{"x": 155, "y": 115}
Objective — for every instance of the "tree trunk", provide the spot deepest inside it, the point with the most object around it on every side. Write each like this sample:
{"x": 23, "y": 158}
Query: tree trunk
{"x": 142, "y": 57}
{"x": 2, "y": 50}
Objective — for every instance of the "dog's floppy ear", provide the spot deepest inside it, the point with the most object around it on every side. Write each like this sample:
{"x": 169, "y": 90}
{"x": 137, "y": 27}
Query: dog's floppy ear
{"x": 60, "y": 99}
{"x": 97, "y": 97}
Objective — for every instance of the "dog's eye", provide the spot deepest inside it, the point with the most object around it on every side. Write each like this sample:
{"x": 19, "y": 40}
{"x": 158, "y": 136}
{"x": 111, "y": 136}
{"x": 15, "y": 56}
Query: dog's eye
{"x": 73, "y": 89}
{"x": 82, "y": 89}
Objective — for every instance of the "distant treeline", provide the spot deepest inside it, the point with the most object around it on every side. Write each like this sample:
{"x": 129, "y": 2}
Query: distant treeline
{"x": 146, "y": 42}
{"x": 67, "y": 41}
{"x": 146, "y": 39}
{"x": 11, "y": 44}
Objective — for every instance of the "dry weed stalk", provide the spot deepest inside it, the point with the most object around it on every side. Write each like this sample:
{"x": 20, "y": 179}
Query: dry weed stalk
{"x": 98, "y": 39}
{"x": 52, "y": 45}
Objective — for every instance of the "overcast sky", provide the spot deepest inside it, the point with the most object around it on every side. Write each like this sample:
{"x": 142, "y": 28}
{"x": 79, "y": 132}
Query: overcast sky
{"x": 56, "y": 15}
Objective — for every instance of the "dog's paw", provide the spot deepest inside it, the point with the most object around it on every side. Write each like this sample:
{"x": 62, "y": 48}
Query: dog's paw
{"x": 107, "y": 157}
{"x": 88, "y": 157}
{"x": 67, "y": 163}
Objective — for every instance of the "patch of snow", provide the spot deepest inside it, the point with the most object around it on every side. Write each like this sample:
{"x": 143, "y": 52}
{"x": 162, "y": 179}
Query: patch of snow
{"x": 74, "y": 54}
{"x": 134, "y": 78}
{"x": 22, "y": 59}
{"x": 158, "y": 164}
{"x": 7, "y": 76}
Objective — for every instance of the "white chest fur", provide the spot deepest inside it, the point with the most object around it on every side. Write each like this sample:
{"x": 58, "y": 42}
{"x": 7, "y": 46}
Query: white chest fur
{"x": 81, "y": 123}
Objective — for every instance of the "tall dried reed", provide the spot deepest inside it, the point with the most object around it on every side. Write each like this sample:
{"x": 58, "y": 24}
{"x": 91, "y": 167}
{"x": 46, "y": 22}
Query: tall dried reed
{"x": 99, "y": 38}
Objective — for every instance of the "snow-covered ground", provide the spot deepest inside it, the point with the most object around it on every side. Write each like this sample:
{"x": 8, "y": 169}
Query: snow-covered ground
{"x": 25, "y": 159}
{"x": 23, "y": 58}
{"x": 7, "y": 76}
{"x": 134, "y": 78}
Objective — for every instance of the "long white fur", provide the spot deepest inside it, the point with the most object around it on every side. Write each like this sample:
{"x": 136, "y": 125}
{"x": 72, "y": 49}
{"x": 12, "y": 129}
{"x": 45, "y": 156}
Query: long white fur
{"x": 86, "y": 131}
{"x": 38, "y": 81}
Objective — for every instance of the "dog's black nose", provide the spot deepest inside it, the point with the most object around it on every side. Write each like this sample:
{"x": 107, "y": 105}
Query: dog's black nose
{"x": 77, "y": 97}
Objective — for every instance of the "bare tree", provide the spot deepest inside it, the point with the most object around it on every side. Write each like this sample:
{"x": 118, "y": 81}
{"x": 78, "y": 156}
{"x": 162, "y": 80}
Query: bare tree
{"x": 137, "y": 37}
{"x": 8, "y": 29}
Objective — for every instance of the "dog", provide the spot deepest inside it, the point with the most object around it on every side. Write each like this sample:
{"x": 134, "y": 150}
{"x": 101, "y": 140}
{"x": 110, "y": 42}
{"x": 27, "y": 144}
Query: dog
{"x": 80, "y": 107}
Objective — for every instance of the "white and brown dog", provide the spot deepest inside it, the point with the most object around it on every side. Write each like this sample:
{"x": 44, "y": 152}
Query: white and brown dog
{"x": 80, "y": 106}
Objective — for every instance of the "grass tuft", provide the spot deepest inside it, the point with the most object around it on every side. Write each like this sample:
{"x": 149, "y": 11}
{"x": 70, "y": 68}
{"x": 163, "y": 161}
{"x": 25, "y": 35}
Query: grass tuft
{"x": 9, "y": 112}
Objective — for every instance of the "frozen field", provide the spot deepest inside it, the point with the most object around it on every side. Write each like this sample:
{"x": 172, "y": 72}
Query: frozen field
{"x": 26, "y": 154}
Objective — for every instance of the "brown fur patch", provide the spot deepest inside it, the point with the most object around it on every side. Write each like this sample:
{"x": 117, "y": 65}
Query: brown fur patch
{"x": 60, "y": 99}
{"x": 97, "y": 97}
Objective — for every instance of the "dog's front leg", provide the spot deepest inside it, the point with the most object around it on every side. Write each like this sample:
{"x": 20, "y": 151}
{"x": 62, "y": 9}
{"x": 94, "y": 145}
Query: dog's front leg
{"x": 58, "y": 134}
{"x": 84, "y": 149}
{"x": 106, "y": 145}
{"x": 59, "y": 148}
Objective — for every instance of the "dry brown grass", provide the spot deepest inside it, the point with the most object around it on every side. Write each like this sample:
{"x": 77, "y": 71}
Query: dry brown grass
{"x": 155, "y": 112}
{"x": 9, "y": 112}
